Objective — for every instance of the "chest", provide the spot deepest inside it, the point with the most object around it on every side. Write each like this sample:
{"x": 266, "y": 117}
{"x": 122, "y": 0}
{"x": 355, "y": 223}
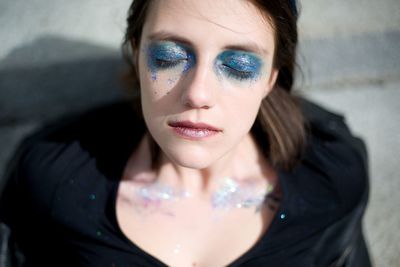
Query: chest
{"x": 192, "y": 234}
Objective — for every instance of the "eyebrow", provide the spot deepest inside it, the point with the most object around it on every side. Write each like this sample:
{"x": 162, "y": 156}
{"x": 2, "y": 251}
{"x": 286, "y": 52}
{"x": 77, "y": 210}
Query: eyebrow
{"x": 247, "y": 47}
{"x": 167, "y": 36}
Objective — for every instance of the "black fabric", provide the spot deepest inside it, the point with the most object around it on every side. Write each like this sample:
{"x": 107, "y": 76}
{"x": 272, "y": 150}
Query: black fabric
{"x": 60, "y": 198}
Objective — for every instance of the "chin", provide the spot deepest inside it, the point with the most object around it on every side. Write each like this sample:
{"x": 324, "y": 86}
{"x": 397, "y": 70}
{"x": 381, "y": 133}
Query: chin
{"x": 191, "y": 160}
{"x": 193, "y": 165}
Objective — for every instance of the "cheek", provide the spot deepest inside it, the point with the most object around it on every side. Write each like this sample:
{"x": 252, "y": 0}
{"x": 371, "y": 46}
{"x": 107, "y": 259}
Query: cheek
{"x": 242, "y": 112}
{"x": 155, "y": 88}
{"x": 247, "y": 90}
{"x": 164, "y": 81}
{"x": 156, "y": 102}
{"x": 248, "y": 113}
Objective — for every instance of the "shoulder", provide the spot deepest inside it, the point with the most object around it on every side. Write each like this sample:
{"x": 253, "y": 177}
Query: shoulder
{"x": 326, "y": 126}
{"x": 335, "y": 160}
{"x": 51, "y": 155}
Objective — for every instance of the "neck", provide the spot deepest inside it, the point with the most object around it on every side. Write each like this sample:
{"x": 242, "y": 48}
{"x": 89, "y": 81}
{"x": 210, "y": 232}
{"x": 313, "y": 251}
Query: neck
{"x": 243, "y": 164}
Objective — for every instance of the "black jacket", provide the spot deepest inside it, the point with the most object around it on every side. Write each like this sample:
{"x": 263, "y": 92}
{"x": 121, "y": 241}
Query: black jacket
{"x": 58, "y": 206}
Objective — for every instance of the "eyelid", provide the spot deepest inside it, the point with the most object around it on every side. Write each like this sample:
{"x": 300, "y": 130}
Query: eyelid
{"x": 167, "y": 53}
{"x": 237, "y": 53}
{"x": 239, "y": 65}
{"x": 183, "y": 46}
{"x": 164, "y": 55}
{"x": 240, "y": 59}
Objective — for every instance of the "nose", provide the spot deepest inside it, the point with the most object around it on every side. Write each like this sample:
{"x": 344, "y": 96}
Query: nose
{"x": 198, "y": 91}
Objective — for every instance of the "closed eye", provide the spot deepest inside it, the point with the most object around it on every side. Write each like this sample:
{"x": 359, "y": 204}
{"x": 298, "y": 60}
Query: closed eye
{"x": 239, "y": 65}
{"x": 166, "y": 64}
{"x": 238, "y": 74}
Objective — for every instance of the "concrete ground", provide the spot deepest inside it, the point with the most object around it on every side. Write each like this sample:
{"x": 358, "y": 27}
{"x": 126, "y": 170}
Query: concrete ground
{"x": 62, "y": 56}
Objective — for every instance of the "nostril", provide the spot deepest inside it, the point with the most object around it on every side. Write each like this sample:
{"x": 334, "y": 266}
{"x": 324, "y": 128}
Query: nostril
{"x": 196, "y": 103}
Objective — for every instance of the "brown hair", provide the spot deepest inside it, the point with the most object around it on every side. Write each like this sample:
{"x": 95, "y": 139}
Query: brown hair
{"x": 279, "y": 127}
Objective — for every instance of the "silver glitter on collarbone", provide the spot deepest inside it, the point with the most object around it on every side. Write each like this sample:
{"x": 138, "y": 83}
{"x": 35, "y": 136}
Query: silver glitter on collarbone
{"x": 157, "y": 193}
{"x": 230, "y": 194}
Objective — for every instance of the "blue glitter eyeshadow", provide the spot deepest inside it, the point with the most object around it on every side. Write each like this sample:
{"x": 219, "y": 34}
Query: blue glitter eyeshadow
{"x": 166, "y": 55}
{"x": 239, "y": 65}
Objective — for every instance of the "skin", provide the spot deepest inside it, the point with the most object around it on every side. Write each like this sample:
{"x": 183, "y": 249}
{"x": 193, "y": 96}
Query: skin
{"x": 202, "y": 93}
{"x": 188, "y": 232}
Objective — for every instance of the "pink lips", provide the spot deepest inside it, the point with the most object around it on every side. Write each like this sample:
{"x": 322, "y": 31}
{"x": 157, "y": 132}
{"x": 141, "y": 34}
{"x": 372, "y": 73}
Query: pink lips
{"x": 193, "y": 131}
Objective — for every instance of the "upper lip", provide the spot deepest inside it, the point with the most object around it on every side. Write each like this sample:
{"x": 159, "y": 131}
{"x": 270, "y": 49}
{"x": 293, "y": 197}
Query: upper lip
{"x": 195, "y": 125}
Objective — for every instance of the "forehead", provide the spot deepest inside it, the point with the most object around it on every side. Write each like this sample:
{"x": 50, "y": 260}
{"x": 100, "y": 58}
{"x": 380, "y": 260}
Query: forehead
{"x": 211, "y": 22}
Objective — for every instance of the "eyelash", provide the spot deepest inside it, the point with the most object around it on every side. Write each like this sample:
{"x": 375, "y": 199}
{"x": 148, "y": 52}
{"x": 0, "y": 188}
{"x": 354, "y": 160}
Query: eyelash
{"x": 167, "y": 64}
{"x": 237, "y": 74}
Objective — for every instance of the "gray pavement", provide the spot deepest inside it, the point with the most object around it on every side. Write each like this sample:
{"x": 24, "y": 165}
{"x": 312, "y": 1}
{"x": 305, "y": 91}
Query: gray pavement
{"x": 371, "y": 111}
{"x": 62, "y": 56}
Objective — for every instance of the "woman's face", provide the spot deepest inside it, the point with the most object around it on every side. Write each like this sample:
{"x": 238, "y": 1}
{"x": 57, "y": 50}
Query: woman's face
{"x": 203, "y": 62}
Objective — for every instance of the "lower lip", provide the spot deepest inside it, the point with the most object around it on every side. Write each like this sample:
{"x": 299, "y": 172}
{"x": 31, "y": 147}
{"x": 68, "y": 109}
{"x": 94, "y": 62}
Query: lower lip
{"x": 193, "y": 133}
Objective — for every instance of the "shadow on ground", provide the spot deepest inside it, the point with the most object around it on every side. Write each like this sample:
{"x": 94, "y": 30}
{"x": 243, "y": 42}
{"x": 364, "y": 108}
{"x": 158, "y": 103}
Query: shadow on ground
{"x": 50, "y": 77}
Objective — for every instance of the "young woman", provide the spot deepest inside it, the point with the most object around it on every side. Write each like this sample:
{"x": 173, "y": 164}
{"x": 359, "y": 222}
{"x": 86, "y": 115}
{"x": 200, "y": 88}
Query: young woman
{"x": 219, "y": 165}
